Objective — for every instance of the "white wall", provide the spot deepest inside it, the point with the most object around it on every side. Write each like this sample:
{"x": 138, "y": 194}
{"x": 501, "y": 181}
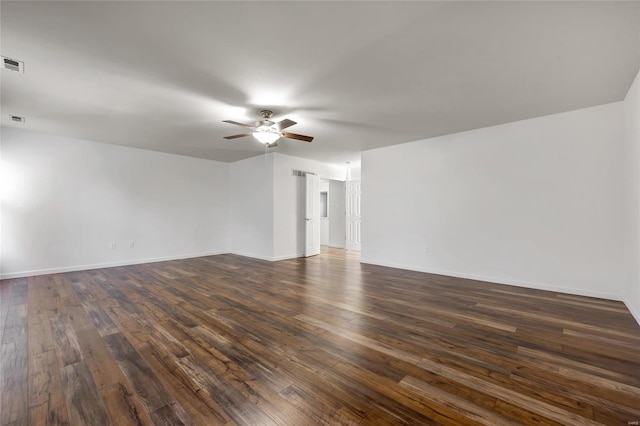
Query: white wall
{"x": 64, "y": 200}
{"x": 251, "y": 209}
{"x": 355, "y": 173}
{"x": 289, "y": 201}
{"x": 632, "y": 195}
{"x": 536, "y": 203}
{"x": 337, "y": 213}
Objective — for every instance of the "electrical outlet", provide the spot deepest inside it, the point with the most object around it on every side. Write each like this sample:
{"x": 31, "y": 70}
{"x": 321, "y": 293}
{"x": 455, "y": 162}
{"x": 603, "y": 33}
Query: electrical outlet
{"x": 131, "y": 244}
{"x": 112, "y": 245}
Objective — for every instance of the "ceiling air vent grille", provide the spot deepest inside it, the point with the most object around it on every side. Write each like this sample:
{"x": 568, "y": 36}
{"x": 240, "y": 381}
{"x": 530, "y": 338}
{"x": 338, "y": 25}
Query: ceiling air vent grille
{"x": 12, "y": 64}
{"x": 17, "y": 118}
{"x": 300, "y": 173}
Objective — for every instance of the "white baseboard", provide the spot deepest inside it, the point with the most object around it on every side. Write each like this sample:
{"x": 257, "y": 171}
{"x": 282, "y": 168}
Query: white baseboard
{"x": 634, "y": 312}
{"x": 63, "y": 269}
{"x": 251, "y": 255}
{"x": 267, "y": 258}
{"x": 288, "y": 256}
{"x": 495, "y": 280}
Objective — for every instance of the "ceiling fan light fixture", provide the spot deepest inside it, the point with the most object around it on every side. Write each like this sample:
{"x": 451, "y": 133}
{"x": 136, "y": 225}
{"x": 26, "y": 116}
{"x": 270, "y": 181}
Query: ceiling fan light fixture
{"x": 266, "y": 131}
{"x": 266, "y": 136}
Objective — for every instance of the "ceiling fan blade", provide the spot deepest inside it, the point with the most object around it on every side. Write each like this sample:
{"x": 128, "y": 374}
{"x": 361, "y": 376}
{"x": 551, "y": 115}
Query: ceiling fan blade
{"x": 285, "y": 123}
{"x": 239, "y": 124}
{"x": 241, "y": 135}
{"x": 296, "y": 136}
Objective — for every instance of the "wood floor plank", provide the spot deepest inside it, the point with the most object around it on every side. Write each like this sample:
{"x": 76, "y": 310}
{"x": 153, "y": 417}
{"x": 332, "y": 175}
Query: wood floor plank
{"x": 111, "y": 383}
{"x": 16, "y": 324}
{"x": 542, "y": 408}
{"x": 585, "y": 398}
{"x": 83, "y": 402}
{"x": 370, "y": 343}
{"x": 197, "y": 405}
{"x": 226, "y": 340}
{"x": 47, "y": 405}
{"x": 235, "y": 404}
{"x": 14, "y": 404}
{"x": 406, "y": 404}
{"x": 65, "y": 340}
{"x": 467, "y": 409}
{"x": 147, "y": 386}
{"x": 122, "y": 405}
{"x": 13, "y": 392}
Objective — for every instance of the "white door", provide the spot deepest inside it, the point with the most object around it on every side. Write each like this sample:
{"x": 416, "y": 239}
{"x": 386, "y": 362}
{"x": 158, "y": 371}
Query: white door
{"x": 353, "y": 215}
{"x": 312, "y": 216}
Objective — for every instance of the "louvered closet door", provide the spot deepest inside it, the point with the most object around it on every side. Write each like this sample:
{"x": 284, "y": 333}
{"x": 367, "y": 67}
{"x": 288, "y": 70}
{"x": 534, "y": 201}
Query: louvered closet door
{"x": 353, "y": 215}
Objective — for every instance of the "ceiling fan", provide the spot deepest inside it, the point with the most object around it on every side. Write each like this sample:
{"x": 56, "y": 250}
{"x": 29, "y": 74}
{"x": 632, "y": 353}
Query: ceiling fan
{"x": 267, "y": 131}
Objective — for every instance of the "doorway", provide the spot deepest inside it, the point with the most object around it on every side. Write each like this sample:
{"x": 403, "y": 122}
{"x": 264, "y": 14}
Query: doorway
{"x": 332, "y": 209}
{"x": 332, "y": 216}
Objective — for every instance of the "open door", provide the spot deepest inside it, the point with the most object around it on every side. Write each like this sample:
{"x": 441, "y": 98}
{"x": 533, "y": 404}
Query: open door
{"x": 353, "y": 215}
{"x": 312, "y": 216}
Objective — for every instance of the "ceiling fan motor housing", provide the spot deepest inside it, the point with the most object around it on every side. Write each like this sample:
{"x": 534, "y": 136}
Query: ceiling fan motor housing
{"x": 266, "y": 114}
{"x": 263, "y": 124}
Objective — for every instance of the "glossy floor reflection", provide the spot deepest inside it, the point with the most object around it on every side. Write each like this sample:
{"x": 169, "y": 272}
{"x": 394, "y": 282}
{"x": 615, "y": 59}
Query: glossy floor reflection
{"x": 325, "y": 340}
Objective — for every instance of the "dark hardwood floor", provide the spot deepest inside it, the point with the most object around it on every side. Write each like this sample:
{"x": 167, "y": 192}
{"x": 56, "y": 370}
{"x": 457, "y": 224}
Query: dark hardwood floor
{"x": 326, "y": 340}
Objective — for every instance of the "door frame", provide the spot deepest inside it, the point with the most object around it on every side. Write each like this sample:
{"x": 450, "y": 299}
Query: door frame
{"x": 312, "y": 215}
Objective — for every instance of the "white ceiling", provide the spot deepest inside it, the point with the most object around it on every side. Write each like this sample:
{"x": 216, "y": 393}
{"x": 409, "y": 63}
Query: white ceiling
{"x": 356, "y": 75}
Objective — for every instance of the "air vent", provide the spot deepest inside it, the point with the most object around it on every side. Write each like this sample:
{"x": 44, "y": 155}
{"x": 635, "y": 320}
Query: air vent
{"x": 12, "y": 64}
{"x": 17, "y": 118}
{"x": 300, "y": 173}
